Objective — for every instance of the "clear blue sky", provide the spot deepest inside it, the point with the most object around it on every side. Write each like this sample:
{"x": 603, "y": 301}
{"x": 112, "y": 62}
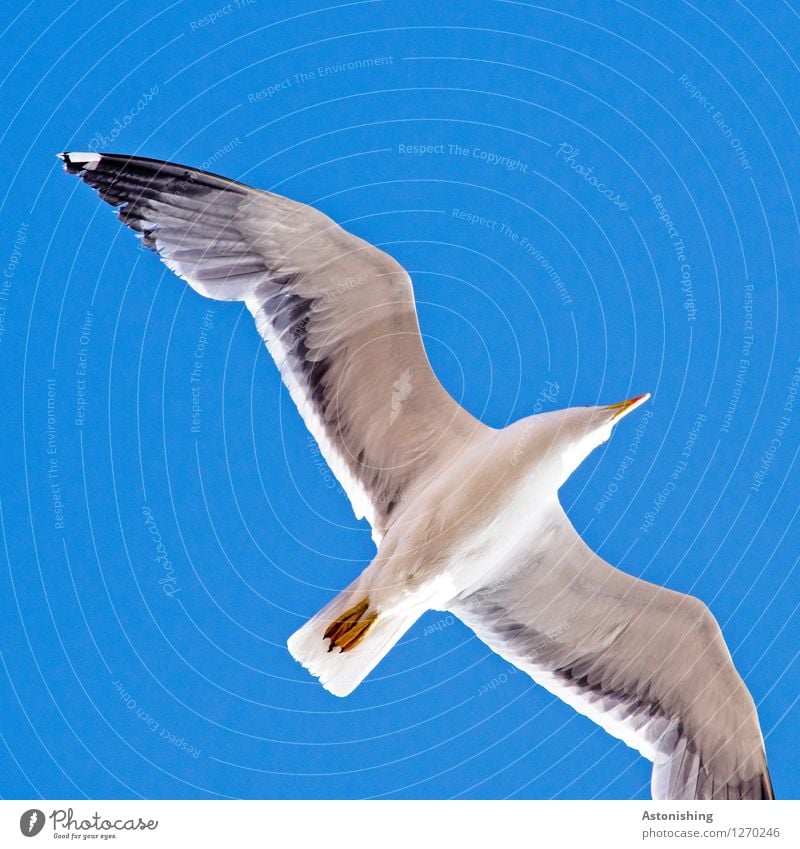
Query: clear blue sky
{"x": 624, "y": 220}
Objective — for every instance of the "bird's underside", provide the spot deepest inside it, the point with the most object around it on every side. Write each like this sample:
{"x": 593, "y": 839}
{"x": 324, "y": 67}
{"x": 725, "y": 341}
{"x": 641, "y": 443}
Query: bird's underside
{"x": 338, "y": 317}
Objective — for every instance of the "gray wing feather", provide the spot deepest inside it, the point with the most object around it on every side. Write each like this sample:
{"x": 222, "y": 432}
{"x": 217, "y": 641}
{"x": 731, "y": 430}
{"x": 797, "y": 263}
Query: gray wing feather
{"x": 336, "y": 313}
{"x": 647, "y": 664}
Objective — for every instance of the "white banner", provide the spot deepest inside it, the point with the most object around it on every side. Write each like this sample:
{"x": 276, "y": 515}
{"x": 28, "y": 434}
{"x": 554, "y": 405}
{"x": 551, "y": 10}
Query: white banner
{"x": 401, "y": 824}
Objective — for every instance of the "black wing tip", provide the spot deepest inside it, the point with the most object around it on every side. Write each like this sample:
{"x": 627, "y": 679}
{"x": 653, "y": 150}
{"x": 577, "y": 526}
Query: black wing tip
{"x": 157, "y": 170}
{"x": 767, "y": 790}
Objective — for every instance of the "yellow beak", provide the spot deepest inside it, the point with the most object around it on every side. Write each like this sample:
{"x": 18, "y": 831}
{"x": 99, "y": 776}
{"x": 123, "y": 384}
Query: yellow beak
{"x": 624, "y": 407}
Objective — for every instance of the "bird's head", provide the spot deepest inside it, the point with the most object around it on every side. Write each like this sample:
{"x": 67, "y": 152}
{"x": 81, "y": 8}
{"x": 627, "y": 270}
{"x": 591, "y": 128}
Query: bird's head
{"x": 575, "y": 432}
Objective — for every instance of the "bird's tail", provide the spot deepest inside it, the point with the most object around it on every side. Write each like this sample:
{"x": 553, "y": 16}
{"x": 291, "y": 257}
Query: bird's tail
{"x": 346, "y": 640}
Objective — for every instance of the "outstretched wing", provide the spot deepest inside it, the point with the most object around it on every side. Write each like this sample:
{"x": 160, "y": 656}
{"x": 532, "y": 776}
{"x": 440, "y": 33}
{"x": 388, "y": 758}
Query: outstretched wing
{"x": 647, "y": 664}
{"x": 336, "y": 313}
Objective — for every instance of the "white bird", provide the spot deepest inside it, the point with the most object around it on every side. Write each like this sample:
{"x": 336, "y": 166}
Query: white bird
{"x": 466, "y": 517}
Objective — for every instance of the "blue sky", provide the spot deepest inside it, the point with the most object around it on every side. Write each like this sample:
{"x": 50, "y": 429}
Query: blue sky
{"x": 594, "y": 200}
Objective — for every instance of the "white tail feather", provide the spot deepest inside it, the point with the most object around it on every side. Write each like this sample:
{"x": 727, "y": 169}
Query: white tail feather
{"x": 340, "y": 672}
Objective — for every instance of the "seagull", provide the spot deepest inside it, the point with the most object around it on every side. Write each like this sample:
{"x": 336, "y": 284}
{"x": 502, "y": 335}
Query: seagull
{"x": 465, "y": 517}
